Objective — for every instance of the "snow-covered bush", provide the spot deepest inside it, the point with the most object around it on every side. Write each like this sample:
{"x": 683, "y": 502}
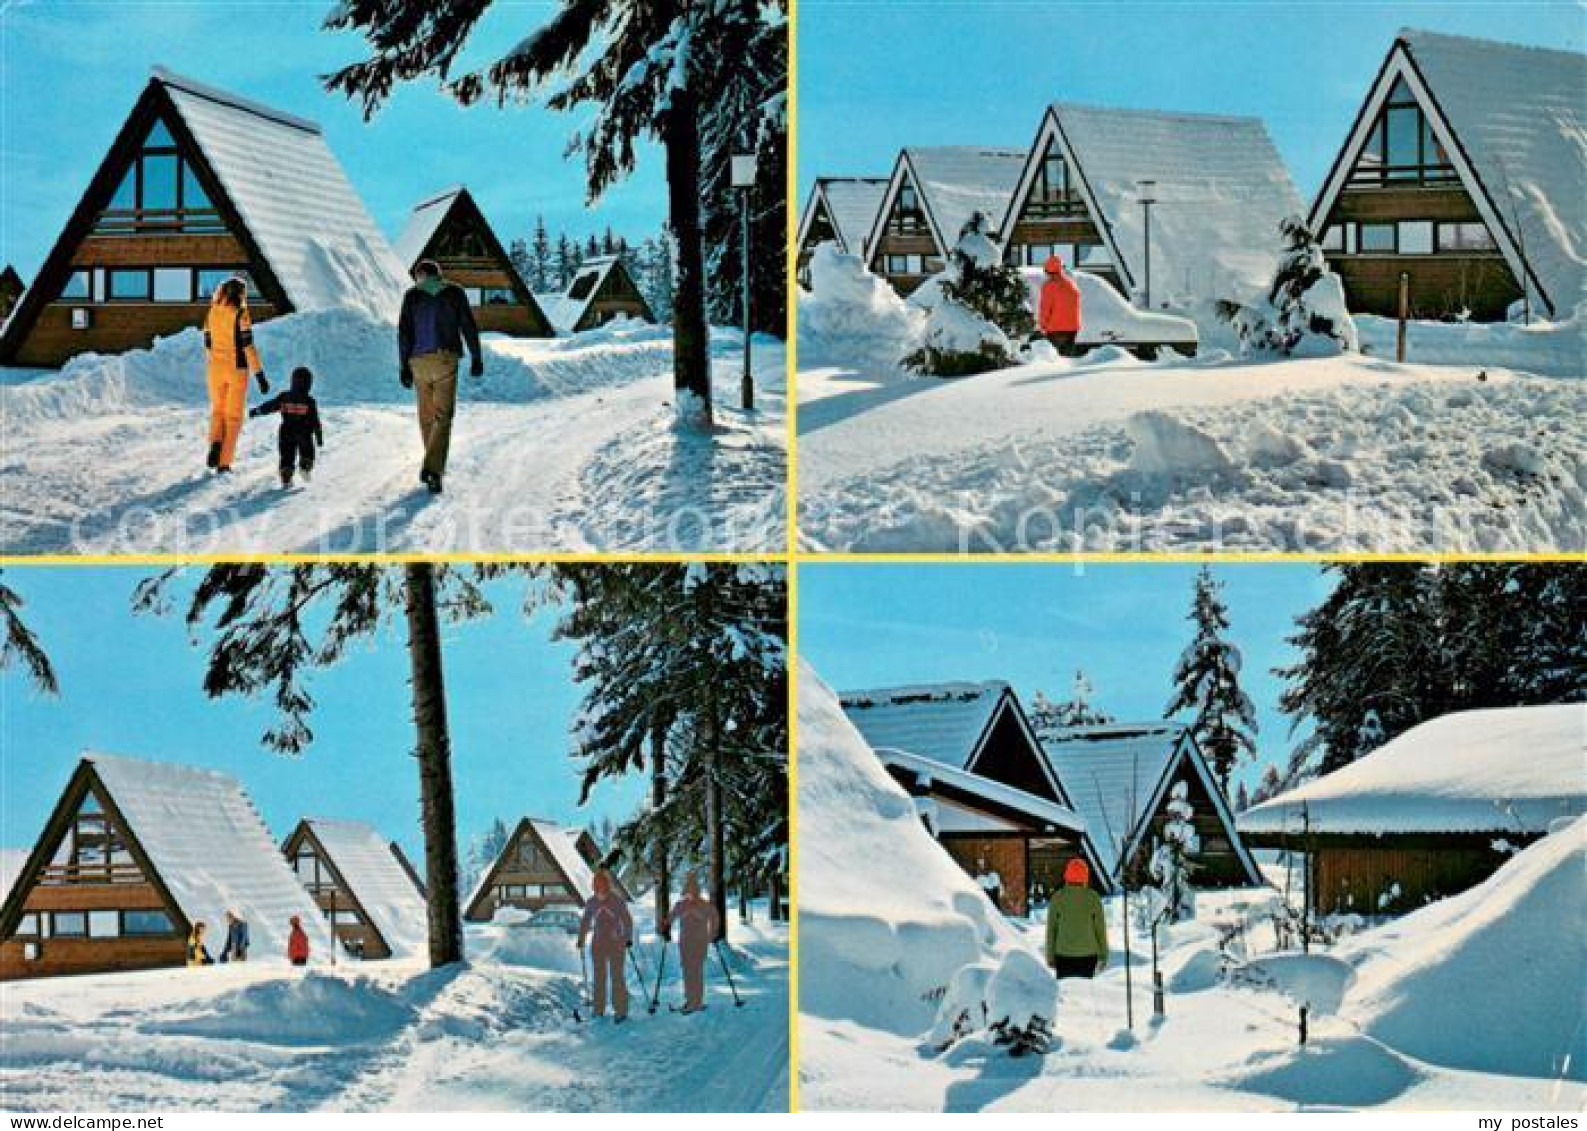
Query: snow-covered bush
{"x": 962, "y": 1010}
{"x": 975, "y": 310}
{"x": 1169, "y": 866}
{"x": 1021, "y": 1003}
{"x": 1304, "y": 313}
{"x": 850, "y": 316}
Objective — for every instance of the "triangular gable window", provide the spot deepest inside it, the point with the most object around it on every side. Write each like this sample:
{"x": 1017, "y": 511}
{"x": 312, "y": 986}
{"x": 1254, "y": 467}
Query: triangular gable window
{"x": 1052, "y": 191}
{"x": 1401, "y": 148}
{"x": 159, "y": 194}
{"x": 93, "y": 850}
{"x": 908, "y": 218}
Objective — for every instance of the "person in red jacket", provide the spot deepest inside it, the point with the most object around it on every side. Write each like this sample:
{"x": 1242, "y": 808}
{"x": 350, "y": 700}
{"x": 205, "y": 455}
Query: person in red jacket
{"x": 1060, "y": 307}
{"x": 298, "y": 944}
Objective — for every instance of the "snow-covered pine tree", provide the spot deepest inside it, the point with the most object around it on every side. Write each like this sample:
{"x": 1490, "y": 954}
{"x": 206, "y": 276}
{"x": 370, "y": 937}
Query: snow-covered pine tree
{"x": 655, "y": 274}
{"x": 20, "y": 645}
{"x": 540, "y": 264}
{"x": 566, "y": 262}
{"x": 1269, "y": 786}
{"x": 1170, "y": 865}
{"x": 1048, "y": 717}
{"x": 638, "y": 67}
{"x": 1369, "y": 736}
{"x": 975, "y": 309}
{"x": 697, "y": 653}
{"x": 1207, "y": 682}
{"x": 518, "y": 253}
{"x": 1242, "y": 798}
{"x": 592, "y": 247}
{"x": 1304, "y": 311}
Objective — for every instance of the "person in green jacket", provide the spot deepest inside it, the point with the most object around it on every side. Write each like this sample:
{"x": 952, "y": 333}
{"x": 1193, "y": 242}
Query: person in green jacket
{"x": 1077, "y": 933}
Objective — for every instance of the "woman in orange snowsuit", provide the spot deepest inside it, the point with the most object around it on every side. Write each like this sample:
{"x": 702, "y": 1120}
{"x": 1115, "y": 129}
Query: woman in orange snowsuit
{"x": 228, "y": 340}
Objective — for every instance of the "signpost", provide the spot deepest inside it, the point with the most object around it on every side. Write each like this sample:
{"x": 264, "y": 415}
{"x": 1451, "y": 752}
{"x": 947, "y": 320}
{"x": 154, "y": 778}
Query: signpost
{"x": 743, "y": 173}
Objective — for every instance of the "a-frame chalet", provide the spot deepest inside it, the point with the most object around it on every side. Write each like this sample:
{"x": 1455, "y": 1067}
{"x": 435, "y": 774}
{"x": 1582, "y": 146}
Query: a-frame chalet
{"x": 450, "y": 229}
{"x": 541, "y": 865}
{"x": 966, "y": 753}
{"x": 840, "y": 211}
{"x": 364, "y": 886}
{"x": 1219, "y": 193}
{"x": 1120, "y": 776}
{"x": 932, "y": 193}
{"x": 601, "y": 289}
{"x": 199, "y": 185}
{"x": 1463, "y": 172}
{"x": 132, "y": 856}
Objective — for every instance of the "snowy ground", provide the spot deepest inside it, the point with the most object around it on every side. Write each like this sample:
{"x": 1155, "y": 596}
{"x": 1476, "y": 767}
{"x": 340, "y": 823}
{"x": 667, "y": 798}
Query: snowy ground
{"x": 1108, "y": 453}
{"x": 566, "y": 444}
{"x": 392, "y": 1037}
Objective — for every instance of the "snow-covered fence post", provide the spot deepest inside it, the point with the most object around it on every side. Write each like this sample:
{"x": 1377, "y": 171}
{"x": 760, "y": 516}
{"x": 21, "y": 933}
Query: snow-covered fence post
{"x": 1405, "y": 307}
{"x": 1304, "y": 1010}
{"x": 1305, "y": 879}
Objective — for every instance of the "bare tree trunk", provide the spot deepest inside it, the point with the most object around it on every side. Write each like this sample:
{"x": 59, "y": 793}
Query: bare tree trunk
{"x": 715, "y": 837}
{"x": 691, "y": 366}
{"x": 658, "y": 798}
{"x": 435, "y": 766}
{"x": 776, "y": 898}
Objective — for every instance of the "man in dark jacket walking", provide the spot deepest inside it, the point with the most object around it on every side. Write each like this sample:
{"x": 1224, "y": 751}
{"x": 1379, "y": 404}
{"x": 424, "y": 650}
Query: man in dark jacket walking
{"x": 436, "y": 322}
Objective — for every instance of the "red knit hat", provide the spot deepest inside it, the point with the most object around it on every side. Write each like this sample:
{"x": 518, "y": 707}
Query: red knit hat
{"x": 1076, "y": 872}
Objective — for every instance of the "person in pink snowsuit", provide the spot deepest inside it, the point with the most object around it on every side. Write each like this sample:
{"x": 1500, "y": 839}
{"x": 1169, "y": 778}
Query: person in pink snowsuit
{"x": 695, "y": 919}
{"x": 609, "y": 928}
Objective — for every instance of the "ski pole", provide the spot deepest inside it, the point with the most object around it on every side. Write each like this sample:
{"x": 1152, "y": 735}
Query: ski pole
{"x": 638, "y": 973}
{"x": 737, "y": 1001}
{"x": 661, "y": 968}
{"x": 584, "y": 984}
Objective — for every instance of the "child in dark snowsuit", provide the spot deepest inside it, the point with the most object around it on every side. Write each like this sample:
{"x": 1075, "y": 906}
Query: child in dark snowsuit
{"x": 300, "y": 425}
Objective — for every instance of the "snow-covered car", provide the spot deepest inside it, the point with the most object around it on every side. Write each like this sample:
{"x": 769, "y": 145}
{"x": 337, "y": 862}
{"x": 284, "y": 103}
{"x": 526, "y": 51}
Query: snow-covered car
{"x": 1108, "y": 319}
{"x": 553, "y": 920}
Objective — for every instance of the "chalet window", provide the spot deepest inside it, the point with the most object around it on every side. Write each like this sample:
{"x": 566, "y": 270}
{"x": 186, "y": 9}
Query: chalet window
{"x": 1052, "y": 193}
{"x": 495, "y": 296}
{"x": 348, "y": 918}
{"x": 79, "y": 285}
{"x": 931, "y": 264}
{"x": 1216, "y": 846}
{"x": 130, "y": 286}
{"x": 1416, "y": 237}
{"x": 69, "y": 924}
{"x": 173, "y": 284}
{"x": 1333, "y": 237}
{"x": 208, "y": 279}
{"x": 907, "y": 217}
{"x": 27, "y": 926}
{"x": 312, "y": 873}
{"x": 1464, "y": 237}
{"x": 1093, "y": 255}
{"x": 159, "y": 193}
{"x": 583, "y": 285}
{"x": 146, "y": 923}
{"x": 104, "y": 924}
{"x": 1377, "y": 237}
{"x": 1401, "y": 146}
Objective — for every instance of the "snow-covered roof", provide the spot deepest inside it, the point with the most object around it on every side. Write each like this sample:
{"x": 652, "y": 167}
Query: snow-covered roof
{"x": 851, "y": 204}
{"x": 1037, "y": 808}
{"x": 1520, "y": 116}
{"x": 368, "y": 864}
{"x": 944, "y": 722}
{"x": 423, "y": 222}
{"x": 1221, "y": 192}
{"x": 1510, "y": 769}
{"x": 1111, "y": 774}
{"x": 298, "y": 204}
{"x": 954, "y": 182}
{"x": 211, "y": 849}
{"x": 564, "y": 310}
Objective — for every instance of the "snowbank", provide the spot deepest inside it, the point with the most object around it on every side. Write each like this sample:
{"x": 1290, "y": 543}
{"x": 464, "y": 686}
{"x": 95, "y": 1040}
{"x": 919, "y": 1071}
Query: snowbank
{"x": 1107, "y": 316}
{"x": 1552, "y": 349}
{"x": 518, "y": 945}
{"x": 851, "y": 317}
{"x": 315, "y": 1009}
{"x": 354, "y": 359}
{"x": 886, "y": 917}
{"x": 1491, "y": 979}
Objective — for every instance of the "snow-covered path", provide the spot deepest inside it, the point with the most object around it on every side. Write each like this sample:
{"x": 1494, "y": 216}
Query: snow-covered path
{"x": 390, "y": 1037}
{"x": 597, "y": 465}
{"x": 1109, "y": 453}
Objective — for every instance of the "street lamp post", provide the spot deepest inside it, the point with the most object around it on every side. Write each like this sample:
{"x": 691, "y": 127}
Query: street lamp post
{"x": 1147, "y": 200}
{"x": 744, "y": 182}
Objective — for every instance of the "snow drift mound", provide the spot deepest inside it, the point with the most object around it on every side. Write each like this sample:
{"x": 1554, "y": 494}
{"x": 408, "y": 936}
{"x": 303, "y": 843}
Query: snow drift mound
{"x": 538, "y": 950}
{"x": 312, "y": 1009}
{"x": 886, "y": 917}
{"x": 852, "y": 318}
{"x": 1489, "y": 980}
{"x": 354, "y": 359}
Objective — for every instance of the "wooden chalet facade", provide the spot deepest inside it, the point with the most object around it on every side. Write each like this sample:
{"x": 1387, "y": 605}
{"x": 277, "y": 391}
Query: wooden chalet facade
{"x": 1121, "y": 775}
{"x": 363, "y": 884}
{"x": 451, "y": 229}
{"x": 601, "y": 289}
{"x": 1440, "y": 177}
{"x": 110, "y": 885}
{"x": 840, "y": 211}
{"x": 1220, "y": 193}
{"x": 199, "y": 185}
{"x": 11, "y": 288}
{"x": 542, "y": 865}
{"x": 966, "y": 753}
{"x": 931, "y": 195}
{"x": 1431, "y": 813}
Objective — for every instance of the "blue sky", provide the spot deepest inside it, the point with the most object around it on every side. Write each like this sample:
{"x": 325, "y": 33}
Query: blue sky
{"x": 875, "y": 75}
{"x": 70, "y": 71}
{"x": 1034, "y": 625}
{"x": 131, "y": 685}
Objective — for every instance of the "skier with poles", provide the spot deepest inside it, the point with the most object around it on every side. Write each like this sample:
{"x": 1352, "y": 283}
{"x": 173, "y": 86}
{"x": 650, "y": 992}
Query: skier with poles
{"x": 696, "y": 921}
{"x": 609, "y": 929}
